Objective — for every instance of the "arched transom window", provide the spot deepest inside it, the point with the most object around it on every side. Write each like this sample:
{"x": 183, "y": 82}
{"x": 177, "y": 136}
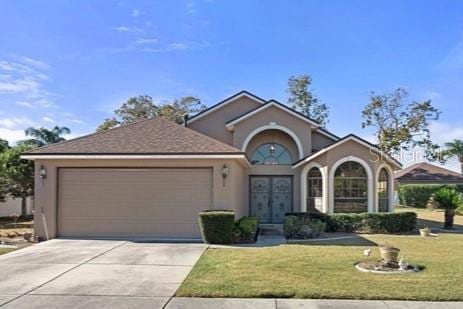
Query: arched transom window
{"x": 383, "y": 190}
{"x": 271, "y": 154}
{"x": 350, "y": 188}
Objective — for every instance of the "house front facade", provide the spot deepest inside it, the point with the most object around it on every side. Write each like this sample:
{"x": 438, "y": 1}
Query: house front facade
{"x": 256, "y": 157}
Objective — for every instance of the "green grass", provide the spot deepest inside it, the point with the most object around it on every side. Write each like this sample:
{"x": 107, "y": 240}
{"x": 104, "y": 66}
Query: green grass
{"x": 325, "y": 270}
{"x": 3, "y": 251}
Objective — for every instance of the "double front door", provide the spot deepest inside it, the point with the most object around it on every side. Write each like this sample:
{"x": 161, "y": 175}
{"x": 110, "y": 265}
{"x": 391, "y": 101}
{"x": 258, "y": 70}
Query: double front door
{"x": 271, "y": 197}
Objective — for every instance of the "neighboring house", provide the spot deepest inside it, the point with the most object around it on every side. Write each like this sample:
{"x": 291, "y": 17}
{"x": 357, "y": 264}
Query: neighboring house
{"x": 13, "y": 206}
{"x": 256, "y": 157}
{"x": 426, "y": 173}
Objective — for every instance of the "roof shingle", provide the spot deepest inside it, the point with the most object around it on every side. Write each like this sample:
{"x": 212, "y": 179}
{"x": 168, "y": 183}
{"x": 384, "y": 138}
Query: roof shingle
{"x": 425, "y": 172}
{"x": 151, "y": 136}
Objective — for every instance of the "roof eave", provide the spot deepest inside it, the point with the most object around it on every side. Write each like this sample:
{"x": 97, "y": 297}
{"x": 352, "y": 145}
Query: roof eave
{"x": 230, "y": 125}
{"x": 214, "y": 107}
{"x": 340, "y": 142}
{"x": 173, "y": 156}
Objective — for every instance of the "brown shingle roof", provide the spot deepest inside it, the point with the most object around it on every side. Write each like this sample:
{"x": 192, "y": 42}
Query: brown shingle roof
{"x": 425, "y": 172}
{"x": 152, "y": 136}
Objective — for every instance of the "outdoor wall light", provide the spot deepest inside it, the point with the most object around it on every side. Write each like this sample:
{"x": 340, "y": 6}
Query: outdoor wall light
{"x": 43, "y": 172}
{"x": 225, "y": 173}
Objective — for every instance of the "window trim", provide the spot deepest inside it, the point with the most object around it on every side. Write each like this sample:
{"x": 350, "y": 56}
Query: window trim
{"x": 274, "y": 126}
{"x": 285, "y": 150}
{"x": 370, "y": 198}
{"x": 390, "y": 173}
{"x": 304, "y": 173}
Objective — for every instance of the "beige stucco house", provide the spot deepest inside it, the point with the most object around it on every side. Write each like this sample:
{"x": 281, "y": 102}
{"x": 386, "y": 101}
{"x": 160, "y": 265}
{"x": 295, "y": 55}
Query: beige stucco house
{"x": 257, "y": 157}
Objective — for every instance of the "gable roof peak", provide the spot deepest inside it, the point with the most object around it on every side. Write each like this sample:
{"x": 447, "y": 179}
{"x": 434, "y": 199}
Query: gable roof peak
{"x": 242, "y": 93}
{"x": 268, "y": 104}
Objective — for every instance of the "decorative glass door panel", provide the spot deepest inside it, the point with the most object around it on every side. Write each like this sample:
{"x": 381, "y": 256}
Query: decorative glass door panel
{"x": 260, "y": 198}
{"x": 270, "y": 197}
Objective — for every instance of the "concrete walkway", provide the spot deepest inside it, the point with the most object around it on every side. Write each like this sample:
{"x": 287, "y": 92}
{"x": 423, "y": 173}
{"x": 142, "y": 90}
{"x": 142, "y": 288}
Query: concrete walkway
{"x": 95, "y": 274}
{"x": 271, "y": 303}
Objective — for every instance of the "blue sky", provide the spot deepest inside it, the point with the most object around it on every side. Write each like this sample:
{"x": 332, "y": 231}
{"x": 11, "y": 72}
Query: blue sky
{"x": 73, "y": 62}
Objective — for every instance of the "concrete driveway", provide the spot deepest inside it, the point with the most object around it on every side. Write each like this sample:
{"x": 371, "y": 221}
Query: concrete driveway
{"x": 63, "y": 273}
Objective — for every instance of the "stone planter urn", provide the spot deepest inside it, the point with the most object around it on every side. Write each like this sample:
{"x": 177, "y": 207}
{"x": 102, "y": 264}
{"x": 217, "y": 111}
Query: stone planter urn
{"x": 389, "y": 254}
{"x": 425, "y": 232}
{"x": 27, "y": 236}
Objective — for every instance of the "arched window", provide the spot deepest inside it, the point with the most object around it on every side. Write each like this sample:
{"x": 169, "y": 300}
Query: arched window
{"x": 350, "y": 188}
{"x": 383, "y": 191}
{"x": 314, "y": 190}
{"x": 271, "y": 154}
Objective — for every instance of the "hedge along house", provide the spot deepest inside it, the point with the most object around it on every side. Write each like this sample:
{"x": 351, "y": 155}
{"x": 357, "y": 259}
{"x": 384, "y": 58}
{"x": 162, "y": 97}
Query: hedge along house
{"x": 256, "y": 157}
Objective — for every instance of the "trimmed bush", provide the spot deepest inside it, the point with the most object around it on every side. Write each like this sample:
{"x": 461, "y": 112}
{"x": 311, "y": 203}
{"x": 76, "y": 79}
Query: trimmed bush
{"x": 302, "y": 227}
{"x": 245, "y": 230}
{"x": 402, "y": 222}
{"x": 388, "y": 222}
{"x": 217, "y": 226}
{"x": 372, "y": 222}
{"x": 416, "y": 195}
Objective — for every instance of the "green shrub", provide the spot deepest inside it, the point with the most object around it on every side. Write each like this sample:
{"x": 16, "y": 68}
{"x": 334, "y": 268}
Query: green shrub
{"x": 358, "y": 222}
{"x": 388, "y": 222}
{"x": 302, "y": 227}
{"x": 217, "y": 226}
{"x": 245, "y": 229}
{"x": 416, "y": 195}
{"x": 346, "y": 223}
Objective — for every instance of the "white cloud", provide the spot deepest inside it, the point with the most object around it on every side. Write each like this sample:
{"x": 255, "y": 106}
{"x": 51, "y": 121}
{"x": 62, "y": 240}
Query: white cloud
{"x": 190, "y": 8}
{"x": 13, "y": 122}
{"x": 24, "y": 82}
{"x": 35, "y": 63}
{"x": 76, "y": 121}
{"x": 432, "y": 95}
{"x": 19, "y": 85}
{"x": 12, "y": 135}
{"x": 136, "y": 13}
{"x": 121, "y": 29}
{"x": 48, "y": 119}
{"x": 454, "y": 59}
{"x": 145, "y": 41}
{"x": 176, "y": 46}
{"x": 442, "y": 132}
{"x": 25, "y": 104}
{"x": 127, "y": 29}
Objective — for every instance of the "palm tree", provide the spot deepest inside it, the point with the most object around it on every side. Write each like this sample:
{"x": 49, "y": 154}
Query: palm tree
{"x": 449, "y": 199}
{"x": 43, "y": 136}
{"x": 454, "y": 148}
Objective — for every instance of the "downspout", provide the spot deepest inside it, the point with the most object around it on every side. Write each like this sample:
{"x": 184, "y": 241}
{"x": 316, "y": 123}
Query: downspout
{"x": 44, "y": 222}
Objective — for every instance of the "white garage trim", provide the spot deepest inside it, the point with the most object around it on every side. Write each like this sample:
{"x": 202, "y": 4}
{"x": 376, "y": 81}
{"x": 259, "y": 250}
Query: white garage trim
{"x": 241, "y": 157}
{"x": 369, "y": 181}
{"x": 273, "y": 126}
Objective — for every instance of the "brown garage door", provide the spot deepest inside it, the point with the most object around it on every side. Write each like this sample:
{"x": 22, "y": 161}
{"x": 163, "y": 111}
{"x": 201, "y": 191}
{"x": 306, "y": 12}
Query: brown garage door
{"x": 102, "y": 202}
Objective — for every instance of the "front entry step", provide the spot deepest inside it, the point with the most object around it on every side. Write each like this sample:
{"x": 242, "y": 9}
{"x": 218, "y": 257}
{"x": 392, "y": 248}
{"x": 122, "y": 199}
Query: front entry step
{"x": 270, "y": 235}
{"x": 271, "y": 229}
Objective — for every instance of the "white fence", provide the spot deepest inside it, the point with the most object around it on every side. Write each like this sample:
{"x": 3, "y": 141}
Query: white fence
{"x": 11, "y": 206}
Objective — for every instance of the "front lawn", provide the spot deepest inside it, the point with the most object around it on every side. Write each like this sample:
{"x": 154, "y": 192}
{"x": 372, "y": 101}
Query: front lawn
{"x": 325, "y": 270}
{"x": 3, "y": 250}
{"x": 432, "y": 218}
